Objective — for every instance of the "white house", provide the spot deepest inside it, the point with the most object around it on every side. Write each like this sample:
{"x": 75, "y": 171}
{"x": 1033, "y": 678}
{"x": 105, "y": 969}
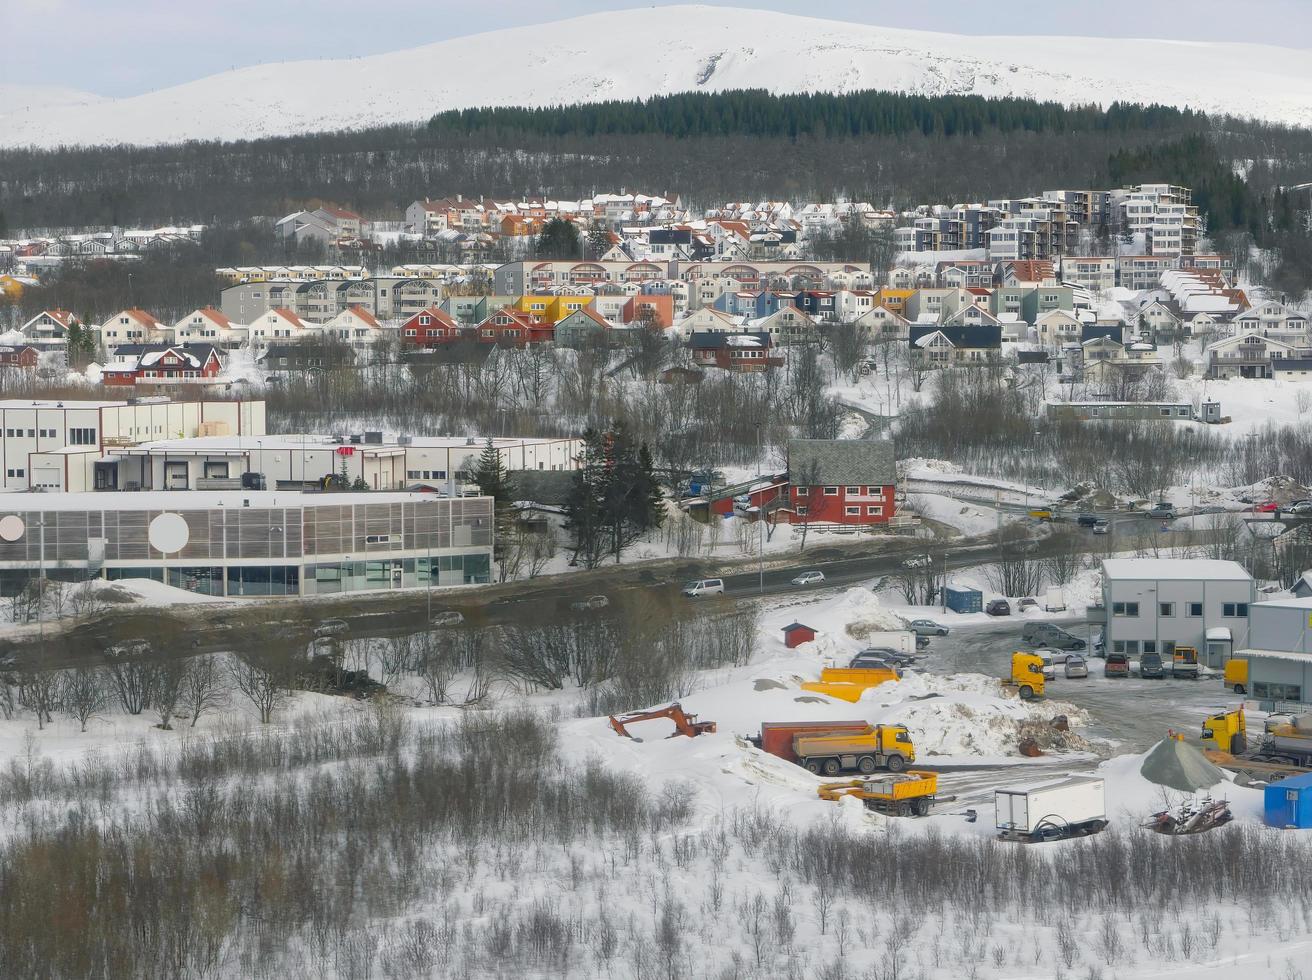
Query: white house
{"x": 134, "y": 327}
{"x": 1245, "y": 355}
{"x": 276, "y": 324}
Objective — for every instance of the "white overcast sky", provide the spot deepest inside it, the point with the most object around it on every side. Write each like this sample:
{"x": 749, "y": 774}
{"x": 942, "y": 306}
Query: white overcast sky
{"x": 125, "y": 47}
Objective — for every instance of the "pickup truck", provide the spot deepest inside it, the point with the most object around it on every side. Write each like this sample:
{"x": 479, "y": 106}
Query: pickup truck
{"x": 1118, "y": 665}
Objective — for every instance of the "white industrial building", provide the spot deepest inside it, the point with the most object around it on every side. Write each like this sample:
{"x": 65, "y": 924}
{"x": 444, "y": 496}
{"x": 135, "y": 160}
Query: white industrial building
{"x": 240, "y": 543}
{"x": 1279, "y": 651}
{"x": 1153, "y": 605}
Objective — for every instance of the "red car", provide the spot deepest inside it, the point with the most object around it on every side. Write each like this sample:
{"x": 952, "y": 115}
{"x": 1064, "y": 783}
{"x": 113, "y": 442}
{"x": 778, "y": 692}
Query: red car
{"x": 1266, "y": 507}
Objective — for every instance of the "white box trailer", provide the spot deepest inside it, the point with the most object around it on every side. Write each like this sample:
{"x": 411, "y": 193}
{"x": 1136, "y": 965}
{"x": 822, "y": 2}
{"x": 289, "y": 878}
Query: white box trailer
{"x": 1073, "y": 806}
{"x": 903, "y": 641}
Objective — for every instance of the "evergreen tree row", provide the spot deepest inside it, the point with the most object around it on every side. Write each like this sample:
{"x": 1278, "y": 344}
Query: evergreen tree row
{"x": 615, "y": 496}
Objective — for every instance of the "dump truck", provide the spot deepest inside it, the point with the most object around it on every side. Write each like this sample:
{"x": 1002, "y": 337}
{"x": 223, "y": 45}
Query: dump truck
{"x": 878, "y": 747}
{"x": 1073, "y": 806}
{"x": 777, "y": 736}
{"x": 1285, "y": 750}
{"x": 1027, "y": 678}
{"x": 904, "y": 794}
{"x": 1184, "y": 663}
{"x": 848, "y": 683}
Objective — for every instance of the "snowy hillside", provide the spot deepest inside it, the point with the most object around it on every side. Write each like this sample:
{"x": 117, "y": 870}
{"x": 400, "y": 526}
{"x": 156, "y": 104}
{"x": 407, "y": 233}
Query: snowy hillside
{"x": 635, "y": 53}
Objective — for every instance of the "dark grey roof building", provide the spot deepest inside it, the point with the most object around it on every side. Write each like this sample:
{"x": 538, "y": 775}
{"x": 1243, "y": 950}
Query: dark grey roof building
{"x": 842, "y": 462}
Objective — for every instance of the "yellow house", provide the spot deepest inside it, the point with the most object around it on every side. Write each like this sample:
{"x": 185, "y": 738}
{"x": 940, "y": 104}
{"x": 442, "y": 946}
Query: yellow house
{"x": 894, "y": 300}
{"x": 11, "y": 287}
{"x": 553, "y": 309}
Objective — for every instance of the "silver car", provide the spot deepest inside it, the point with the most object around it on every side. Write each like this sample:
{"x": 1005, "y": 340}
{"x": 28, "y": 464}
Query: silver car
{"x": 809, "y": 578}
{"x": 1076, "y": 666}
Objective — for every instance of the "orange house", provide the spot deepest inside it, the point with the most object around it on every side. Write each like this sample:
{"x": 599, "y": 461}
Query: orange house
{"x": 661, "y": 306}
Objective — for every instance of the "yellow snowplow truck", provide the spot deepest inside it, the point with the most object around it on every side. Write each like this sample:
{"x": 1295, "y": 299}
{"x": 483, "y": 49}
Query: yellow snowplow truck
{"x": 878, "y": 747}
{"x": 1026, "y": 676}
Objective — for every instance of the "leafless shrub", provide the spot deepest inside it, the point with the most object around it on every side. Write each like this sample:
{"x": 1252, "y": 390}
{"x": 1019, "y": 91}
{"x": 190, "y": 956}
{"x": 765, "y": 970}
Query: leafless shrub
{"x": 83, "y": 694}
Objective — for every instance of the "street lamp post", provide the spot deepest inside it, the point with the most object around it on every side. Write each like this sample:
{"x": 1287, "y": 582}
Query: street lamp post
{"x": 760, "y": 519}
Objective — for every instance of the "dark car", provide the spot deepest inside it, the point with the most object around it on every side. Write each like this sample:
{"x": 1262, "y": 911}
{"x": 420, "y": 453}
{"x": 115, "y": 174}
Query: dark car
{"x": 1087, "y": 520}
{"x": 998, "y": 607}
{"x": 1051, "y": 635}
{"x": 1150, "y": 665}
{"x": 1118, "y": 665}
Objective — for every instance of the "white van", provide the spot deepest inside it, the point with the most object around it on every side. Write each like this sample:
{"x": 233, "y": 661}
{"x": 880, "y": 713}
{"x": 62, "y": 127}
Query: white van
{"x": 705, "y": 586}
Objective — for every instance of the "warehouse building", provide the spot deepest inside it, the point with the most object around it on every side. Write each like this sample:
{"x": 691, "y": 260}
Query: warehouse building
{"x": 1279, "y": 653}
{"x": 1153, "y": 605}
{"x": 238, "y": 543}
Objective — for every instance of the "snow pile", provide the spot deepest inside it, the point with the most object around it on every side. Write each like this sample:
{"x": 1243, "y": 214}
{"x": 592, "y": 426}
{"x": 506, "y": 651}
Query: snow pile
{"x": 925, "y": 468}
{"x": 970, "y": 519}
{"x": 93, "y": 373}
{"x": 1179, "y": 766}
{"x": 865, "y": 614}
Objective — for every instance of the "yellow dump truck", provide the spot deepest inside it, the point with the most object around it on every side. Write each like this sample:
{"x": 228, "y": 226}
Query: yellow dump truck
{"x": 848, "y": 683}
{"x": 898, "y": 794}
{"x": 1286, "y": 750}
{"x": 878, "y": 747}
{"x": 1026, "y": 675}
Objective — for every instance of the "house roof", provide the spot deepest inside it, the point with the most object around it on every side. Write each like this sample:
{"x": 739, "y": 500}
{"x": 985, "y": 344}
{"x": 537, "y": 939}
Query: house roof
{"x": 715, "y": 340}
{"x": 985, "y": 336}
{"x": 288, "y": 315}
{"x": 842, "y": 462}
{"x": 1174, "y": 569}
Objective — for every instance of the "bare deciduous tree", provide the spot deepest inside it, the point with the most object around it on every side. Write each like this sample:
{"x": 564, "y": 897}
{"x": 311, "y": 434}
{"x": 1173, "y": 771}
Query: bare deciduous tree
{"x": 83, "y": 694}
{"x": 203, "y": 688}
{"x": 263, "y": 683}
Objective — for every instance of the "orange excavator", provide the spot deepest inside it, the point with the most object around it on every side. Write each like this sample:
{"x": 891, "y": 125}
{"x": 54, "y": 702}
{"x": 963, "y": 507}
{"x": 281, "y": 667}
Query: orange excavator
{"x": 684, "y": 723}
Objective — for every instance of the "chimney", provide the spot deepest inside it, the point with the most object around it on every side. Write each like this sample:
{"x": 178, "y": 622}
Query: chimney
{"x": 459, "y": 198}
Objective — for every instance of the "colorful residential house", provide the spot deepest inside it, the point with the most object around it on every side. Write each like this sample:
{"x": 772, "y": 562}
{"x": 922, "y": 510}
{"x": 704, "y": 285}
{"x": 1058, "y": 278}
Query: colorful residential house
{"x": 354, "y": 326}
{"x": 819, "y": 304}
{"x": 133, "y": 326}
{"x": 895, "y": 300}
{"x": 585, "y": 328}
{"x": 279, "y": 323}
{"x": 207, "y": 326}
{"x": 552, "y": 308}
{"x": 742, "y": 353}
{"x": 882, "y": 323}
{"x": 933, "y": 345}
{"x": 156, "y": 364}
{"x": 654, "y": 309}
{"x": 1058, "y": 328}
{"x": 23, "y": 356}
{"x": 708, "y": 320}
{"x": 514, "y": 328}
{"x": 788, "y": 326}
{"x": 432, "y": 328}
{"x": 841, "y": 481}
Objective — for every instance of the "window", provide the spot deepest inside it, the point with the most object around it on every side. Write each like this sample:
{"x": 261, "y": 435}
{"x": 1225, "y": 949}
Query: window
{"x": 412, "y": 474}
{"x": 801, "y": 511}
{"x": 1125, "y": 609}
{"x": 852, "y": 511}
{"x": 1234, "y": 610}
{"x": 831, "y": 491}
{"x": 1149, "y": 646}
{"x": 1118, "y": 646}
{"x": 1195, "y": 610}
{"x": 875, "y": 511}
{"x": 82, "y": 437}
{"x": 1166, "y": 609}
{"x": 1132, "y": 647}
{"x": 1277, "y": 692}
{"x": 854, "y": 491}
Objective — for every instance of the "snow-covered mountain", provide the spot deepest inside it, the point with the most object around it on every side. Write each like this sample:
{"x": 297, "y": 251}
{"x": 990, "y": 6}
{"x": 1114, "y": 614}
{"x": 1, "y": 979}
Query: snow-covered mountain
{"x": 636, "y": 53}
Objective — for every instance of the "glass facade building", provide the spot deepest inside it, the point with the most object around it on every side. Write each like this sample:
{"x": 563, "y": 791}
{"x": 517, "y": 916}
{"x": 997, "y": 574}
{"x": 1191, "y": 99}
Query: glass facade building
{"x": 250, "y": 543}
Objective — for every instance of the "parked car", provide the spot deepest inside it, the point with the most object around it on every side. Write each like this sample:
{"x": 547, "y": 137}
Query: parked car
{"x": 1027, "y": 603}
{"x": 705, "y": 586}
{"x": 1118, "y": 665}
{"x": 447, "y": 617}
{"x": 998, "y": 607}
{"x": 809, "y": 578}
{"x": 1049, "y": 668}
{"x": 1150, "y": 665}
{"x": 1076, "y": 666}
{"x": 1102, "y": 526}
{"x": 1051, "y": 635}
{"x": 927, "y": 627}
{"x": 1301, "y": 507}
{"x": 871, "y": 661}
{"x": 1266, "y": 507}
{"x": 922, "y": 642}
{"x": 591, "y": 602}
{"x": 331, "y": 627}
{"x": 1162, "y": 511}
{"x": 919, "y": 561}
{"x": 1088, "y": 520}
{"x": 1098, "y": 645}
{"x": 889, "y": 655}
{"x": 1055, "y": 656}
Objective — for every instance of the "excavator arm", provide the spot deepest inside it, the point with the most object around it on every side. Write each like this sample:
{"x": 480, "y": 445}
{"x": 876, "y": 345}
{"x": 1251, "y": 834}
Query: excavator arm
{"x": 684, "y": 723}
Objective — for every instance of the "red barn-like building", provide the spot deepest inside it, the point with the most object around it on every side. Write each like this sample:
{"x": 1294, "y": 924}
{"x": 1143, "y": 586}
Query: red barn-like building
{"x": 841, "y": 481}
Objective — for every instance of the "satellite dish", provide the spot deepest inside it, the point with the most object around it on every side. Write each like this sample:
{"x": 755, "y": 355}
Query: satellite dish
{"x": 11, "y": 527}
{"x": 168, "y": 533}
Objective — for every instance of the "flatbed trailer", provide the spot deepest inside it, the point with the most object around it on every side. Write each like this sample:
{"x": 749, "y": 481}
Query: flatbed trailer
{"x": 1259, "y": 767}
{"x": 906, "y": 794}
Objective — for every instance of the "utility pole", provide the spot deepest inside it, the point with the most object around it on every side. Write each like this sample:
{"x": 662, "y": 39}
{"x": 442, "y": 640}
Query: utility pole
{"x": 760, "y": 519}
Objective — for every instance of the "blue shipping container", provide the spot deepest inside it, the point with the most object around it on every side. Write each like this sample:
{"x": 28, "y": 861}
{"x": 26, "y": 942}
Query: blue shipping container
{"x": 963, "y": 600}
{"x": 1289, "y": 802}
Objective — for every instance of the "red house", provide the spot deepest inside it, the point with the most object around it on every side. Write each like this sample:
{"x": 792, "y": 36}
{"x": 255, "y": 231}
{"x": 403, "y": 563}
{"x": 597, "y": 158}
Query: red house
{"x": 795, "y": 634}
{"x": 430, "y": 328}
{"x": 24, "y": 356}
{"x": 515, "y": 329}
{"x": 152, "y": 364}
{"x": 841, "y": 481}
{"x": 739, "y": 352}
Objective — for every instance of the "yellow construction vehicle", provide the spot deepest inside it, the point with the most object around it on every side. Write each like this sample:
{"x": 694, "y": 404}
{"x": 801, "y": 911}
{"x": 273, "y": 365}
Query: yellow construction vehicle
{"x": 1026, "y": 675}
{"x": 898, "y": 794}
{"x": 848, "y": 683}
{"x": 1236, "y": 675}
{"x": 1184, "y": 663}
{"x": 1227, "y": 731}
{"x": 878, "y": 747}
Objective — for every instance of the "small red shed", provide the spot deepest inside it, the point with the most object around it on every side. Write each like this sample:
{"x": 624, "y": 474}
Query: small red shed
{"x": 795, "y": 634}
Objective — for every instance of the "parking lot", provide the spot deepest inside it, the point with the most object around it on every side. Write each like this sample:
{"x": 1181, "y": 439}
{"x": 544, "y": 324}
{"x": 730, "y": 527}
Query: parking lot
{"x": 1136, "y": 713}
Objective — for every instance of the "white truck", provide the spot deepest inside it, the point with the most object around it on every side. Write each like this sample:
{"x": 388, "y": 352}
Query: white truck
{"x": 902, "y": 641}
{"x": 1055, "y": 600}
{"x": 1072, "y": 806}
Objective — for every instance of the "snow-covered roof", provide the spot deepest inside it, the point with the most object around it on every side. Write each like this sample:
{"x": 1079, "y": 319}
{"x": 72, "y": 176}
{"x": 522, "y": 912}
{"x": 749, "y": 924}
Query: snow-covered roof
{"x": 1274, "y": 655}
{"x": 174, "y": 500}
{"x": 1174, "y": 569}
{"x": 1293, "y": 603}
{"x": 1219, "y": 633}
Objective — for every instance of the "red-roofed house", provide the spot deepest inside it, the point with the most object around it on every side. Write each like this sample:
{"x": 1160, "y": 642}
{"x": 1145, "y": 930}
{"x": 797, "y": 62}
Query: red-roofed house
{"x": 430, "y": 328}
{"x": 205, "y": 325}
{"x": 355, "y": 326}
{"x": 134, "y": 327}
{"x": 134, "y": 364}
{"x": 279, "y": 323}
{"x": 49, "y": 329}
{"x": 511, "y": 327}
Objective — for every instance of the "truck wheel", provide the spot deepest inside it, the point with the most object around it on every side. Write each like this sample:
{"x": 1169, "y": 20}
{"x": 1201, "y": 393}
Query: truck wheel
{"x": 1026, "y": 692}
{"x": 896, "y": 763}
{"x": 920, "y": 806}
{"x": 813, "y": 767}
{"x": 866, "y": 764}
{"x": 832, "y": 767}
{"x": 904, "y": 809}
{"x": 1239, "y": 689}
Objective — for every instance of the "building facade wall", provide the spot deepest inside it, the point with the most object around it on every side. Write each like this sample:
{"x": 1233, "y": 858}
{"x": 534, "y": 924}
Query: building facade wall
{"x": 1126, "y": 633}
